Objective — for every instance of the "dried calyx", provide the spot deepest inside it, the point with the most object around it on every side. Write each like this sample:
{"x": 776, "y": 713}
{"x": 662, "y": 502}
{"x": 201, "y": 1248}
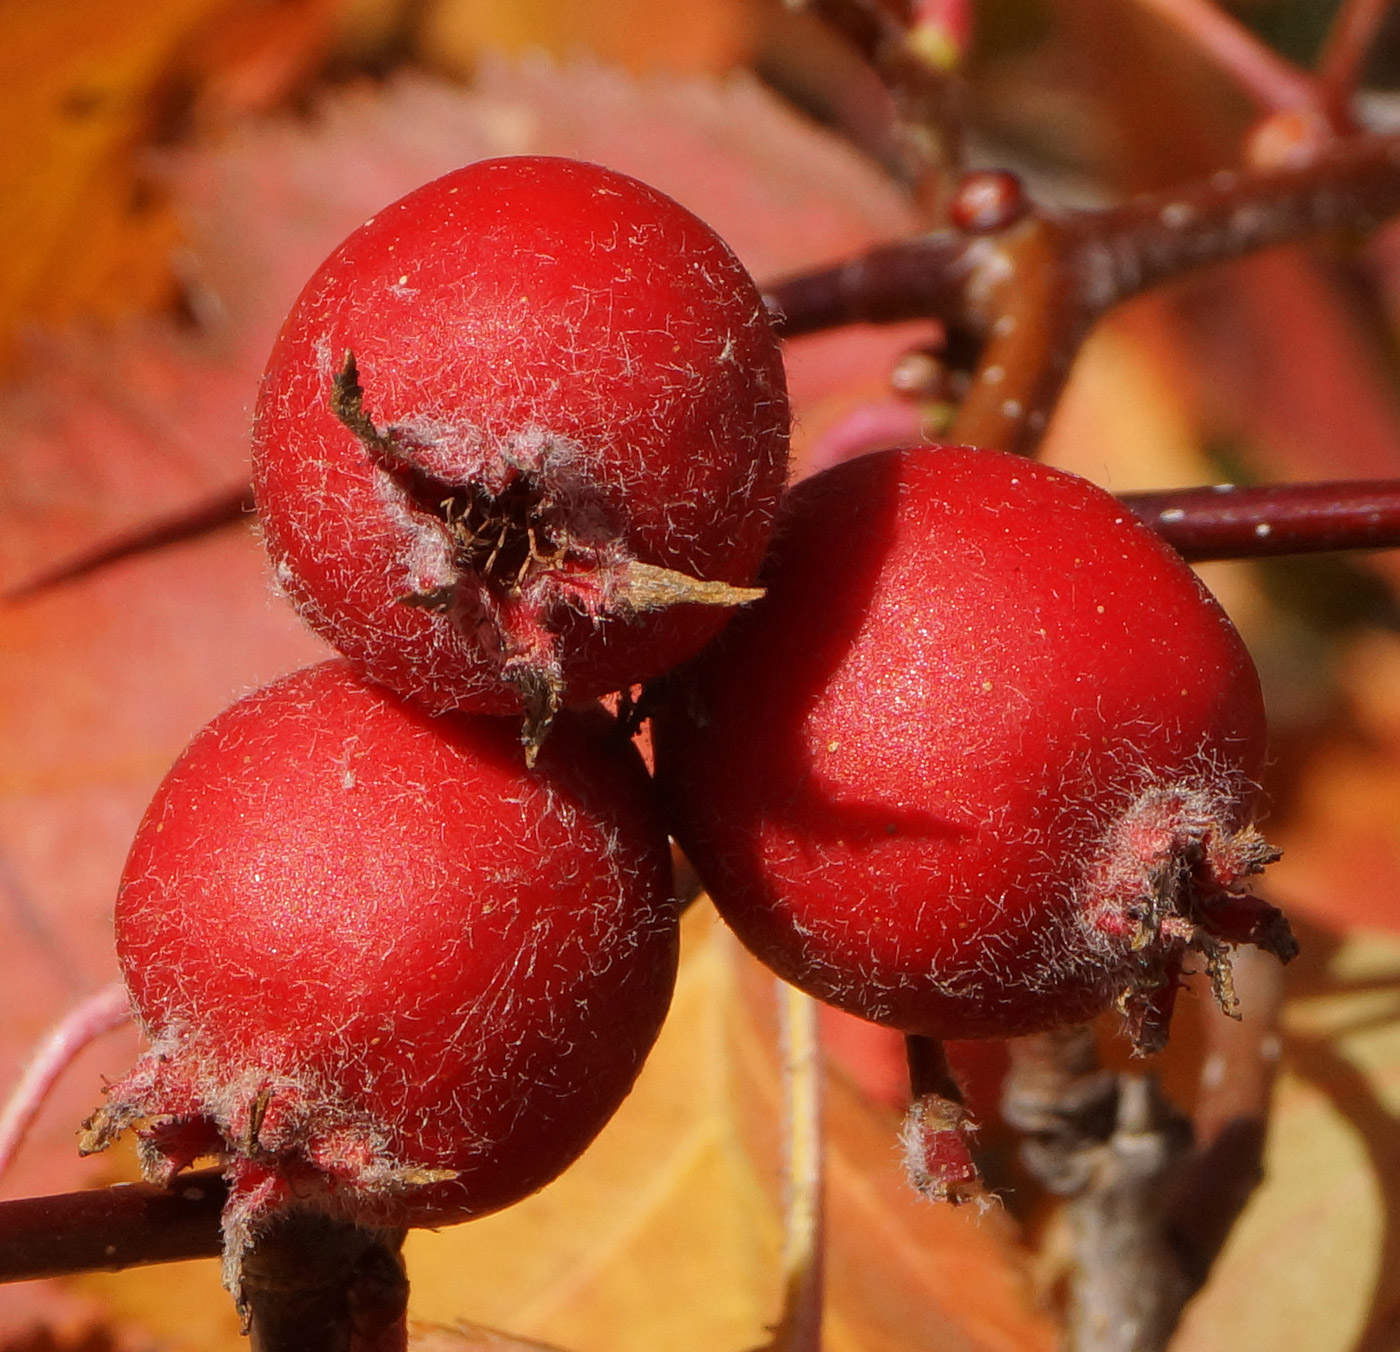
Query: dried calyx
{"x": 1172, "y": 880}
{"x": 520, "y": 551}
{"x": 283, "y": 1151}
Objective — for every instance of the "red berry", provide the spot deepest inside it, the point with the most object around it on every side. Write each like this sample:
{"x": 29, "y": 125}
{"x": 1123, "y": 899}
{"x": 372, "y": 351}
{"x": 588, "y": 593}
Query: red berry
{"x": 983, "y": 758}
{"x": 385, "y": 971}
{"x": 521, "y": 438}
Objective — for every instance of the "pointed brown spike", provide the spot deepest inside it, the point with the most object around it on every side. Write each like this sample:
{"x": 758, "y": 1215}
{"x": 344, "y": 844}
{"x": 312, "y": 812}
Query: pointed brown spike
{"x": 644, "y": 586}
{"x": 348, "y": 400}
{"x": 541, "y": 692}
{"x": 348, "y": 405}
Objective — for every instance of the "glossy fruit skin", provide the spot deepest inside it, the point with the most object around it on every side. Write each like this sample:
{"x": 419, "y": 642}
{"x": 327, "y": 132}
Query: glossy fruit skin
{"x": 538, "y": 338}
{"x": 384, "y": 970}
{"x": 935, "y": 776}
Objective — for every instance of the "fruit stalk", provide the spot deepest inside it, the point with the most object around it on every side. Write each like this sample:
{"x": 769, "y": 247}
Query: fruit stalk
{"x": 938, "y": 1131}
{"x": 314, "y": 1284}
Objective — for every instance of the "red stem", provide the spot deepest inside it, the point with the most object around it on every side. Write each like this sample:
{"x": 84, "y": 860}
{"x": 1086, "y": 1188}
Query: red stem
{"x": 99, "y": 1013}
{"x": 1251, "y": 523}
{"x": 1349, "y": 42}
{"x": 1271, "y": 81}
{"x": 107, "y": 1229}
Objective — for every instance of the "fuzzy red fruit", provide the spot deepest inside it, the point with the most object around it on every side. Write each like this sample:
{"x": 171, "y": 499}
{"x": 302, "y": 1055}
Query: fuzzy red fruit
{"x": 385, "y": 971}
{"x": 521, "y": 438}
{"x": 982, "y": 760}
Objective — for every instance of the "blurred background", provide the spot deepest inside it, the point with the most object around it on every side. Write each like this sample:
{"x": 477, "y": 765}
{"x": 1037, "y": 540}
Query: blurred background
{"x": 171, "y": 170}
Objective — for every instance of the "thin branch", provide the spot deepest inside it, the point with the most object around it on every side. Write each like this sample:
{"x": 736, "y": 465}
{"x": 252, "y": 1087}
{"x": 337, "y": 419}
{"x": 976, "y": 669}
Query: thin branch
{"x": 1123, "y": 251}
{"x": 926, "y": 276}
{"x": 799, "y": 1326}
{"x": 1035, "y": 322}
{"x": 107, "y": 1009}
{"x": 1226, "y": 522}
{"x": 1220, "y": 522}
{"x": 1349, "y": 42}
{"x": 226, "y": 509}
{"x": 309, "y": 1284}
{"x": 916, "y": 73}
{"x": 107, "y": 1229}
{"x": 1272, "y": 81}
{"x": 1028, "y": 295}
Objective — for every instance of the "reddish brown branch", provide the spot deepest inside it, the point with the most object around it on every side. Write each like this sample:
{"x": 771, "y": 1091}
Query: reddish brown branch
{"x": 1222, "y": 522}
{"x": 311, "y": 1284}
{"x": 1107, "y": 255}
{"x": 1027, "y": 296}
{"x": 1123, "y": 251}
{"x": 107, "y": 1229}
{"x": 928, "y": 132}
{"x": 227, "y": 509}
{"x": 1349, "y": 41}
{"x": 1249, "y": 523}
{"x": 926, "y": 276}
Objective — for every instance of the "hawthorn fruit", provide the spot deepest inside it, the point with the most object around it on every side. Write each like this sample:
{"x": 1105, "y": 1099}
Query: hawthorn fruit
{"x": 521, "y": 439}
{"x": 982, "y": 761}
{"x": 387, "y": 973}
